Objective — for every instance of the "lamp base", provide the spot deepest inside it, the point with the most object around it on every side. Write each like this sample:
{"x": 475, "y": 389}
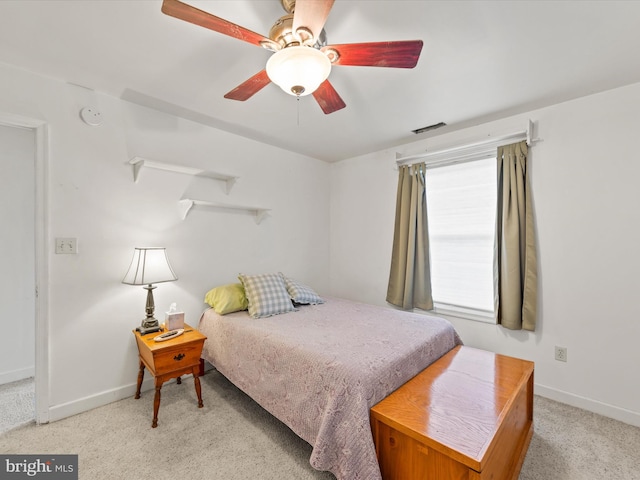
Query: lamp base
{"x": 149, "y": 324}
{"x": 145, "y": 330}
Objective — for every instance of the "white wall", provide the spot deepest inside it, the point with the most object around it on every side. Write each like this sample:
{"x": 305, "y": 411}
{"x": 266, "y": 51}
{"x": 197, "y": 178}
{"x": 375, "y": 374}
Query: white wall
{"x": 17, "y": 283}
{"x": 584, "y": 185}
{"x": 585, "y": 175}
{"x": 92, "y": 196}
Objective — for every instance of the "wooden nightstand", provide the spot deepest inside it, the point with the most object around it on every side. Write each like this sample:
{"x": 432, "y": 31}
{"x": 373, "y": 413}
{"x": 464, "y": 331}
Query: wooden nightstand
{"x": 170, "y": 359}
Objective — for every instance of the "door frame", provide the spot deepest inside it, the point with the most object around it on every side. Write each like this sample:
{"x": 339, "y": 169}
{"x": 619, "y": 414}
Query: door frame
{"x": 41, "y": 131}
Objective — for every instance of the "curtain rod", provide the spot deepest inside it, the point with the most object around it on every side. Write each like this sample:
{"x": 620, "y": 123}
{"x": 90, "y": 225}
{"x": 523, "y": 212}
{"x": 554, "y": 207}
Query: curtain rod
{"x": 459, "y": 153}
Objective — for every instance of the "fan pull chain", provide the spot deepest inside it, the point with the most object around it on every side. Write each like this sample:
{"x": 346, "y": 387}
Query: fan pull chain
{"x": 298, "y": 109}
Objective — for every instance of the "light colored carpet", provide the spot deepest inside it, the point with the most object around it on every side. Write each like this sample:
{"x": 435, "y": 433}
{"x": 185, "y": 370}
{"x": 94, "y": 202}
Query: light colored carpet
{"x": 18, "y": 404}
{"x": 572, "y": 444}
{"x": 232, "y": 438}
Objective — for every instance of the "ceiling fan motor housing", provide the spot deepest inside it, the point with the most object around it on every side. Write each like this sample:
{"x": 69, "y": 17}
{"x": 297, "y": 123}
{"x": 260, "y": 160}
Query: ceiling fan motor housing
{"x": 288, "y": 5}
{"x": 282, "y": 33}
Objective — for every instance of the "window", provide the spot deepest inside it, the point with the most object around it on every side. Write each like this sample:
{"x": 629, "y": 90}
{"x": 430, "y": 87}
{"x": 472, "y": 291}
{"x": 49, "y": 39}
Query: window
{"x": 461, "y": 190}
{"x": 461, "y": 206}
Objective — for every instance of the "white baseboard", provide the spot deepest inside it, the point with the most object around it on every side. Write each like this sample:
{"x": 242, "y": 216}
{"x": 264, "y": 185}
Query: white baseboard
{"x": 611, "y": 411}
{"x": 58, "y": 412}
{"x": 15, "y": 375}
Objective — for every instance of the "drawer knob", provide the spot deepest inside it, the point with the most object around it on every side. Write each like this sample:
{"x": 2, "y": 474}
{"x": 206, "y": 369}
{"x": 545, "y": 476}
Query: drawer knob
{"x": 179, "y": 357}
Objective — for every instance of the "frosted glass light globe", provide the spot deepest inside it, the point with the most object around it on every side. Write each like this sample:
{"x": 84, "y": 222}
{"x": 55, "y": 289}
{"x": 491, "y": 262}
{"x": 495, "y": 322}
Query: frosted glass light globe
{"x": 298, "y": 70}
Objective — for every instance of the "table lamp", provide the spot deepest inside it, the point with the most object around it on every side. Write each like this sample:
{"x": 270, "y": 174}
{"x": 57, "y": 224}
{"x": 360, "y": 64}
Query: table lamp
{"x": 149, "y": 266}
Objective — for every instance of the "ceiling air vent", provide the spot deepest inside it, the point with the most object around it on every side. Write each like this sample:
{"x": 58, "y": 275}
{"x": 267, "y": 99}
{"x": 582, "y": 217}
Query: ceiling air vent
{"x": 430, "y": 127}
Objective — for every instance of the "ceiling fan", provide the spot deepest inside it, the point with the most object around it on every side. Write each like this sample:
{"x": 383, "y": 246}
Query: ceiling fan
{"x": 302, "y": 60}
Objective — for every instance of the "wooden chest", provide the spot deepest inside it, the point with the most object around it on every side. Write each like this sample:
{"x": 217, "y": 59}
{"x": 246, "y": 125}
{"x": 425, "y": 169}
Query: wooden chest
{"x": 468, "y": 416}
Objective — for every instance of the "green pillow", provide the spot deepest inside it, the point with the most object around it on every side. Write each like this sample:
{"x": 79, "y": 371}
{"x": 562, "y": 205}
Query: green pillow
{"x": 227, "y": 298}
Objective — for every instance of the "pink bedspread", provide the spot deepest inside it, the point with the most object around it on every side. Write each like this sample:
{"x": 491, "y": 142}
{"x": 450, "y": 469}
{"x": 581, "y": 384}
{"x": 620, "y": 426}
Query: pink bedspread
{"x": 320, "y": 369}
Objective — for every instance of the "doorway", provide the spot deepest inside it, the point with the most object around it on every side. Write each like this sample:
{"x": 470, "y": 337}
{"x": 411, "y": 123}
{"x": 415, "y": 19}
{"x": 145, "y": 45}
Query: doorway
{"x": 23, "y": 280}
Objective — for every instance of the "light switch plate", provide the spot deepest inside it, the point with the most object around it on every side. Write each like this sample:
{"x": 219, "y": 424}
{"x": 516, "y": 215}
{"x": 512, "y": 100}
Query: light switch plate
{"x": 67, "y": 245}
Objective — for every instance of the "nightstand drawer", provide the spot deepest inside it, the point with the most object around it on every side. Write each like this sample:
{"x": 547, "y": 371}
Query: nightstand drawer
{"x": 174, "y": 358}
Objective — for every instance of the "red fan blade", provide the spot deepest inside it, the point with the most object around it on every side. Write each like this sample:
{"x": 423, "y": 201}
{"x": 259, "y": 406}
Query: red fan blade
{"x": 403, "y": 54}
{"x": 190, "y": 14}
{"x": 249, "y": 88}
{"x": 311, "y": 14}
{"x": 328, "y": 98}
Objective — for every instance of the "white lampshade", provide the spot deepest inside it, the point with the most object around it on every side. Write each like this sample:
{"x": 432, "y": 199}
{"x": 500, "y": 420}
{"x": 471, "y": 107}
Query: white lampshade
{"x": 149, "y": 265}
{"x": 298, "y": 70}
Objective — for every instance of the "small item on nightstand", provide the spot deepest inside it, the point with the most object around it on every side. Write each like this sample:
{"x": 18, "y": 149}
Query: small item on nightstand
{"x": 173, "y": 319}
{"x": 169, "y": 335}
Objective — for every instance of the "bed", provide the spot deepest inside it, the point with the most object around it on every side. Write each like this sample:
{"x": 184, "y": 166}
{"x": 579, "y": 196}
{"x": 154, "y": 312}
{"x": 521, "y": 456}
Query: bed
{"x": 321, "y": 368}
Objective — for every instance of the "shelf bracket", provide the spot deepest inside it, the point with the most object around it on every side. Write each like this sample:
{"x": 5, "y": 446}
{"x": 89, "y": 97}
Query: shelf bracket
{"x": 230, "y": 183}
{"x": 261, "y": 214}
{"x": 184, "y": 206}
{"x": 136, "y": 169}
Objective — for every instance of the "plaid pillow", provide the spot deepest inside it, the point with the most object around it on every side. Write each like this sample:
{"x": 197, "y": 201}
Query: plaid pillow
{"x": 267, "y": 294}
{"x": 300, "y": 293}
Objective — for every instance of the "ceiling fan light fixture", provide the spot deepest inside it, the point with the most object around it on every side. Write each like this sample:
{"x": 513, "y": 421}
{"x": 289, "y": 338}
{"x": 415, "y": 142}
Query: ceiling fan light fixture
{"x": 298, "y": 70}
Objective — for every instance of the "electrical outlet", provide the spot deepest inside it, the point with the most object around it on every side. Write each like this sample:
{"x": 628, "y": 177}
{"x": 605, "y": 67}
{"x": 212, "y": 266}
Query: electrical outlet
{"x": 561, "y": 354}
{"x": 67, "y": 245}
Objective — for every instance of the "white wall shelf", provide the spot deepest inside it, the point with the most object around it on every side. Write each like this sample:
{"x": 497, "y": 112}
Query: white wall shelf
{"x": 186, "y": 204}
{"x": 139, "y": 162}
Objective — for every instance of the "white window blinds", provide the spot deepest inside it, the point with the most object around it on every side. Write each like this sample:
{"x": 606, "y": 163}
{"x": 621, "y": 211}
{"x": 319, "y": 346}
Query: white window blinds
{"x": 461, "y": 205}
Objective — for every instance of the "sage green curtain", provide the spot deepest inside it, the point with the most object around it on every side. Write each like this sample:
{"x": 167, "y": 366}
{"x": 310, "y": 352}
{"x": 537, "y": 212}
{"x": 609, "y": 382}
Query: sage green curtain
{"x": 515, "y": 261}
{"x": 410, "y": 275}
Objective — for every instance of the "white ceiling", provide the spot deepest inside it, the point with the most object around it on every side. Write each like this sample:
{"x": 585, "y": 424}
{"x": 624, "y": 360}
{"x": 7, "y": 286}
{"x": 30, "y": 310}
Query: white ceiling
{"x": 481, "y": 60}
